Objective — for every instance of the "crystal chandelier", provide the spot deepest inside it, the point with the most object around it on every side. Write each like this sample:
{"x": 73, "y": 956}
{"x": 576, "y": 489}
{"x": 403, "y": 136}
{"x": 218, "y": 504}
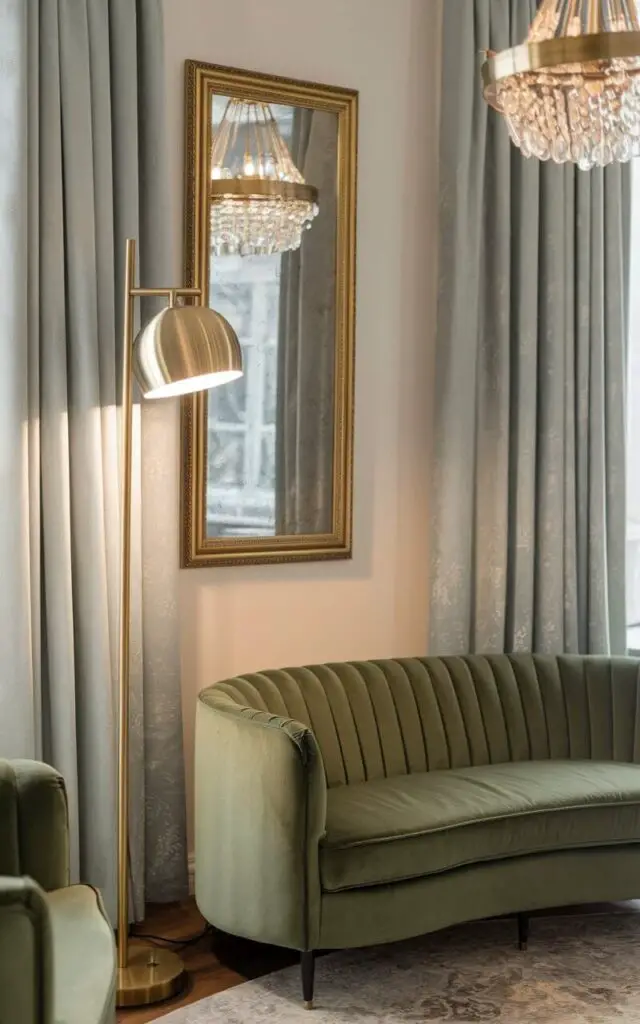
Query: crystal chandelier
{"x": 260, "y": 203}
{"x": 571, "y": 92}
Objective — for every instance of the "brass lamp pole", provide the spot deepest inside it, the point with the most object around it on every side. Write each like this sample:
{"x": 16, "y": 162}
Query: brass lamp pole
{"x": 182, "y": 350}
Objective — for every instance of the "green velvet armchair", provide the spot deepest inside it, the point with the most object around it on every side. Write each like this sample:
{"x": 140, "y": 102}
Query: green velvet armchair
{"x": 57, "y": 955}
{"x": 353, "y": 804}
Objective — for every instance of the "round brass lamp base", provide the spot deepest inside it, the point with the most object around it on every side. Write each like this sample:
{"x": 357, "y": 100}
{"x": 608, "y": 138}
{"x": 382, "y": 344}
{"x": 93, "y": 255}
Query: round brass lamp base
{"x": 150, "y": 976}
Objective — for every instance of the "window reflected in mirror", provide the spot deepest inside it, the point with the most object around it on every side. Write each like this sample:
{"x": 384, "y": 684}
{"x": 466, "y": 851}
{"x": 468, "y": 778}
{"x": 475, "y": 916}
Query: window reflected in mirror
{"x": 241, "y": 467}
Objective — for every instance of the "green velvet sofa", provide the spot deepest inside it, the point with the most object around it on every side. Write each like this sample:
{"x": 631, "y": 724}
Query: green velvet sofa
{"x": 57, "y": 954}
{"x": 354, "y": 804}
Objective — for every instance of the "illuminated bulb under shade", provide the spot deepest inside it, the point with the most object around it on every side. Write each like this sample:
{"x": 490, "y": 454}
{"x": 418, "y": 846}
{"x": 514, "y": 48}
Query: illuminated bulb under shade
{"x": 194, "y": 384}
{"x": 185, "y": 349}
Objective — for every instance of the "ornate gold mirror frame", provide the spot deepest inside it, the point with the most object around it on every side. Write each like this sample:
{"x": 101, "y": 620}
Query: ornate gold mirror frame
{"x": 203, "y": 82}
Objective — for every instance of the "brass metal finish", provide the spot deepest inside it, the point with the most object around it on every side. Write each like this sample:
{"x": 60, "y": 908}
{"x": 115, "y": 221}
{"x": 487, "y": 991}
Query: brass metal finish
{"x": 181, "y": 344}
{"x": 185, "y": 343}
{"x": 203, "y": 81}
{"x": 261, "y": 188}
{"x": 183, "y": 293}
{"x": 151, "y": 975}
{"x": 125, "y": 614}
{"x": 557, "y": 53}
{"x": 308, "y": 1005}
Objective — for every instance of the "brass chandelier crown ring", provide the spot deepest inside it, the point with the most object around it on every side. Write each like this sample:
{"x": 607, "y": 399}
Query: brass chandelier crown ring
{"x": 261, "y": 188}
{"x": 559, "y": 53}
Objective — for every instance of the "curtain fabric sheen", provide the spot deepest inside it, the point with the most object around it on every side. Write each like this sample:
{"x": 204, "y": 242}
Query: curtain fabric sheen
{"x": 528, "y": 523}
{"x": 81, "y": 168}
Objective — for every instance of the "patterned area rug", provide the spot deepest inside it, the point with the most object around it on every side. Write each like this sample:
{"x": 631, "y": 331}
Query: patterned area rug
{"x": 578, "y": 970}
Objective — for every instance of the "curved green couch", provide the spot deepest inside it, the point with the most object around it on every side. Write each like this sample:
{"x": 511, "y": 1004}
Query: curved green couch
{"x": 354, "y": 804}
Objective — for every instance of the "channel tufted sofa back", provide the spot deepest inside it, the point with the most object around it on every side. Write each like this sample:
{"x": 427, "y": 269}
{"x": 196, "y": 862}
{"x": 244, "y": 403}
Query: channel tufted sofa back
{"x": 385, "y": 718}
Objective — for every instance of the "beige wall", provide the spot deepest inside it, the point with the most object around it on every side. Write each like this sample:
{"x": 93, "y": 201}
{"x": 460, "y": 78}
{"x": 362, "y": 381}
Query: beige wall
{"x": 236, "y": 620}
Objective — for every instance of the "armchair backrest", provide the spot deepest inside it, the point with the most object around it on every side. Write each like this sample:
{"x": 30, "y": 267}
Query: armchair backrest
{"x": 34, "y": 837}
{"x": 386, "y": 718}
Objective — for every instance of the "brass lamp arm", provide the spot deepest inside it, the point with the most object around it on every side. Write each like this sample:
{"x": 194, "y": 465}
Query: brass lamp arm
{"x": 169, "y": 293}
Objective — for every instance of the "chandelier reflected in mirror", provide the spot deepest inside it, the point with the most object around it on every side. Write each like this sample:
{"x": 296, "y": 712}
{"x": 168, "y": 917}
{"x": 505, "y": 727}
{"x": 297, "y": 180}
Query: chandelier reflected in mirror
{"x": 260, "y": 202}
{"x": 571, "y": 91}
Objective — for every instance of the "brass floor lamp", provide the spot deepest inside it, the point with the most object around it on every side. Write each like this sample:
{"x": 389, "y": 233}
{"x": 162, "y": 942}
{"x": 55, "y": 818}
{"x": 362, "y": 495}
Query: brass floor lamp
{"x": 185, "y": 348}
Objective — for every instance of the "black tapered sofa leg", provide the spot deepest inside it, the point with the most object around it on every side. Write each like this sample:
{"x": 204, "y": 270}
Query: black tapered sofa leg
{"x": 308, "y": 965}
{"x": 523, "y": 931}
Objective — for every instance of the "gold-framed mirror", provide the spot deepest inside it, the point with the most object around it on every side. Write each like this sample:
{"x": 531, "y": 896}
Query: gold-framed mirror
{"x": 267, "y": 461}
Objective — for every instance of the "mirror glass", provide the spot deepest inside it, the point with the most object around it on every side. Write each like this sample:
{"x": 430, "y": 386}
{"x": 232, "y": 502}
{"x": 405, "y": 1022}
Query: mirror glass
{"x": 270, "y": 236}
{"x": 270, "y": 434}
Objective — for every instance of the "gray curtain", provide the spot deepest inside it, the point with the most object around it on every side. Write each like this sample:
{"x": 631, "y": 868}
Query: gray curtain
{"x": 83, "y": 163}
{"x": 528, "y": 496}
{"x": 306, "y": 342}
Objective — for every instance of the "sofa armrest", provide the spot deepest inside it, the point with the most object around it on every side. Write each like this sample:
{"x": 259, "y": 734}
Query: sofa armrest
{"x": 26, "y": 959}
{"x": 259, "y": 816}
{"x": 34, "y": 823}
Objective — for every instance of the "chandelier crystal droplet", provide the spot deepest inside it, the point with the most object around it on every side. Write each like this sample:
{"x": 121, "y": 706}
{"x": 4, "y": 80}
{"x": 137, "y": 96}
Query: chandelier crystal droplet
{"x": 571, "y": 92}
{"x": 259, "y": 200}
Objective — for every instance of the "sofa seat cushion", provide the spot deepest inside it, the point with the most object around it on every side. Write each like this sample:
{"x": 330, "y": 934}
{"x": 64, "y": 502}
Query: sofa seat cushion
{"x": 84, "y": 957}
{"x": 411, "y": 826}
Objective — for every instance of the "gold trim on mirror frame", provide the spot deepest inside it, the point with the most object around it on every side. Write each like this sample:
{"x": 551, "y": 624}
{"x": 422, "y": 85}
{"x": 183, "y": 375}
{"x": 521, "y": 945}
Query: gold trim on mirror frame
{"x": 201, "y": 82}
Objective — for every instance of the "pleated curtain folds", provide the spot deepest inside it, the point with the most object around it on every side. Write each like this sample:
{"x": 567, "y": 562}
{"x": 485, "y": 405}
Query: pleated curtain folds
{"x": 528, "y": 495}
{"x": 82, "y": 167}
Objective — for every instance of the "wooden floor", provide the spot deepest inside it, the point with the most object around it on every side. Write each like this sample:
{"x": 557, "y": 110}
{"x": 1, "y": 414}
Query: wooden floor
{"x": 213, "y": 963}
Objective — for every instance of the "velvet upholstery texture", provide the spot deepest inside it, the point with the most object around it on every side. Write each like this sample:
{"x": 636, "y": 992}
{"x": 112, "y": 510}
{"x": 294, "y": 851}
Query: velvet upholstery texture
{"x": 418, "y": 825}
{"x": 34, "y": 839}
{"x": 357, "y": 803}
{"x": 57, "y": 956}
